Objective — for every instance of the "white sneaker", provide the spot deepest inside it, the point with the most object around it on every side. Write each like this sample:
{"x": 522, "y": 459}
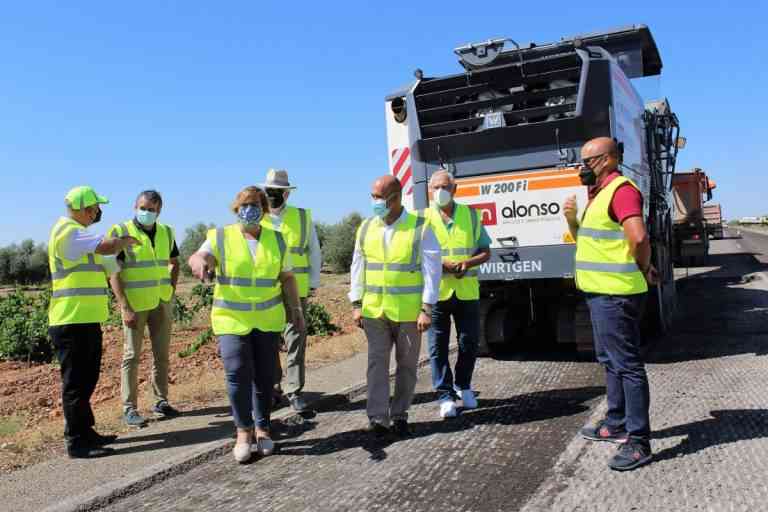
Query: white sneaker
{"x": 448, "y": 409}
{"x": 468, "y": 400}
{"x": 265, "y": 446}
{"x": 242, "y": 452}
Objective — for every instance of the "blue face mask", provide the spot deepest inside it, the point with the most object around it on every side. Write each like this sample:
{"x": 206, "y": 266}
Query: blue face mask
{"x": 249, "y": 214}
{"x": 380, "y": 208}
{"x": 146, "y": 218}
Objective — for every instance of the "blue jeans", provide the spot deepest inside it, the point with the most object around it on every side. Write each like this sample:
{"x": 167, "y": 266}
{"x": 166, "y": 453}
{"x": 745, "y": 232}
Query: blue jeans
{"x": 616, "y": 327}
{"x": 466, "y": 315}
{"x": 249, "y": 366}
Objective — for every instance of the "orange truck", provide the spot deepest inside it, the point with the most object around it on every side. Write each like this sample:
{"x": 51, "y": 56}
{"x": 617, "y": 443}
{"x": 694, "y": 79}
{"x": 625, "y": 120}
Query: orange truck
{"x": 690, "y": 191}
{"x": 713, "y": 215}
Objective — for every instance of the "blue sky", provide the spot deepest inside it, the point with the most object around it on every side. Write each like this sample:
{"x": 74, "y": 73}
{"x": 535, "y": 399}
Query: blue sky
{"x": 198, "y": 99}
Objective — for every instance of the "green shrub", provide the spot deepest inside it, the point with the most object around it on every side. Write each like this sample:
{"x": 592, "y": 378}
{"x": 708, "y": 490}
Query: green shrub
{"x": 182, "y": 314}
{"x": 340, "y": 243}
{"x": 203, "y": 297}
{"x": 202, "y": 338}
{"x": 24, "y": 326}
{"x": 319, "y": 321}
{"x": 193, "y": 238}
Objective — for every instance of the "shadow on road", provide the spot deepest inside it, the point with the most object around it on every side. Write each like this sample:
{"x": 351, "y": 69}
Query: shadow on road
{"x": 525, "y": 408}
{"x": 725, "y": 426}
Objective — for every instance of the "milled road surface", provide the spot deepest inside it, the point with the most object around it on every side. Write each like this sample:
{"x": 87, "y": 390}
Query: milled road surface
{"x": 492, "y": 458}
{"x": 709, "y": 384}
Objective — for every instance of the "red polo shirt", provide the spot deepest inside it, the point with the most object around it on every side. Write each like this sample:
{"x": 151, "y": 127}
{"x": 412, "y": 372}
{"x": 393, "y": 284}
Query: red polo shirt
{"x": 627, "y": 200}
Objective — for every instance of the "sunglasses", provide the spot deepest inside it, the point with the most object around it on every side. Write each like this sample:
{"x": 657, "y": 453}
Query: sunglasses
{"x": 588, "y": 161}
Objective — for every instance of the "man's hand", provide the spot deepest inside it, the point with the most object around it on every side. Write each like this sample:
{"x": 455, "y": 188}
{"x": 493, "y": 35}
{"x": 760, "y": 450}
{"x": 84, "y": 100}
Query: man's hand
{"x": 423, "y": 322}
{"x": 571, "y": 210}
{"x": 129, "y": 317}
{"x": 651, "y": 275}
{"x": 460, "y": 269}
{"x": 449, "y": 267}
{"x": 357, "y": 317}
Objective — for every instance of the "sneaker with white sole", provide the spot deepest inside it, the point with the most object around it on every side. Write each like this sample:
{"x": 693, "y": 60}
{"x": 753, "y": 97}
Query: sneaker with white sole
{"x": 468, "y": 399}
{"x": 448, "y": 408}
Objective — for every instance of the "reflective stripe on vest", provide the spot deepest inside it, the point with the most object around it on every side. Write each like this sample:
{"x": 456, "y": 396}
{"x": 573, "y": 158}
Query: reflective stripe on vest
{"x": 248, "y": 293}
{"x": 145, "y": 274}
{"x": 393, "y": 279}
{"x": 458, "y": 244}
{"x": 78, "y": 287}
{"x": 295, "y": 226}
{"x": 604, "y": 263}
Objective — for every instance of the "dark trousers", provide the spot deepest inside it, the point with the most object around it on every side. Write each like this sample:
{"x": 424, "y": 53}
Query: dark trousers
{"x": 78, "y": 348}
{"x": 249, "y": 365}
{"x": 466, "y": 316}
{"x": 616, "y": 327}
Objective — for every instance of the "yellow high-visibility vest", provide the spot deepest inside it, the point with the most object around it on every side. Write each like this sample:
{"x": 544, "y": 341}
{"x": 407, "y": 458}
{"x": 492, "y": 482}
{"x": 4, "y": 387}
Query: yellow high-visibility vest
{"x": 248, "y": 293}
{"x": 393, "y": 278}
{"x": 146, "y": 271}
{"x": 79, "y": 287}
{"x": 604, "y": 263}
{"x": 458, "y": 244}
{"x": 296, "y": 229}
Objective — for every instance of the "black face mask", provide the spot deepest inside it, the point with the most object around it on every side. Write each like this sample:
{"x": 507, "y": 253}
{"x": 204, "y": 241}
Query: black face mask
{"x": 98, "y": 216}
{"x": 587, "y": 176}
{"x": 276, "y": 198}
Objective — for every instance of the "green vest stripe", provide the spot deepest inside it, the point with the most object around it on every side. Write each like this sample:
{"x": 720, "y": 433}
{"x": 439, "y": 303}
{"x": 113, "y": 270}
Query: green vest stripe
{"x": 79, "y": 292}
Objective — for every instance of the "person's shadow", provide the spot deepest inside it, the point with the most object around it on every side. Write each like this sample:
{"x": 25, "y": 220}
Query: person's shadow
{"x": 724, "y": 426}
{"x": 525, "y": 408}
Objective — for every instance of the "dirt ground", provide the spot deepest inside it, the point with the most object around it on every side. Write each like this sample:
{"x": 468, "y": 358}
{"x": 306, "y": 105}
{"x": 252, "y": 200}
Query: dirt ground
{"x": 31, "y": 420}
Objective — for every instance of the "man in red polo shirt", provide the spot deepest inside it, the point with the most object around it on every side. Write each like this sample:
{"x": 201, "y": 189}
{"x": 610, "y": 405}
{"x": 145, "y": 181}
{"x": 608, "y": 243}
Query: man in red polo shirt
{"x": 613, "y": 269}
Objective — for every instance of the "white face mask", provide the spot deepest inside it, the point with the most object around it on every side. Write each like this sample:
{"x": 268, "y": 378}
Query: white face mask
{"x": 442, "y": 197}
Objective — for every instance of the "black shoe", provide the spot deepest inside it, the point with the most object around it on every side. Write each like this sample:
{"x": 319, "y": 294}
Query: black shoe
{"x": 278, "y": 398}
{"x": 88, "y": 452}
{"x": 601, "y": 432}
{"x": 163, "y": 409}
{"x": 631, "y": 455}
{"x": 97, "y": 439}
{"x": 401, "y": 428}
{"x": 377, "y": 429}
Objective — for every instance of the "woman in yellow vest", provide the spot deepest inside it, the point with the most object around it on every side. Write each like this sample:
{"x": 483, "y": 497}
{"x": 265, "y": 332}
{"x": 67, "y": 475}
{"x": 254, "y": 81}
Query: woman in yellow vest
{"x": 253, "y": 276}
{"x": 613, "y": 269}
{"x": 464, "y": 245}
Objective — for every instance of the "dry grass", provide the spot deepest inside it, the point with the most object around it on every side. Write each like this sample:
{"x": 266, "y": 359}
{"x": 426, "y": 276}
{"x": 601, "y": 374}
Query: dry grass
{"x": 32, "y": 435}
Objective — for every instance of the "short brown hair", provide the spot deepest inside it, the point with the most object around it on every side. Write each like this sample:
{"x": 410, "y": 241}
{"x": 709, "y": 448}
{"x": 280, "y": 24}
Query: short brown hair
{"x": 246, "y": 195}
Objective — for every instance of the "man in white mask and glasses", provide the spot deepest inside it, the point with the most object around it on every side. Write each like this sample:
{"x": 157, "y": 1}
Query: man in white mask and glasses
{"x": 464, "y": 244}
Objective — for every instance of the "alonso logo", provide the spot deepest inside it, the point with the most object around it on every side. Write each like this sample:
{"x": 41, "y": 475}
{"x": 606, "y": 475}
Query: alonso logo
{"x": 522, "y": 210}
{"x": 488, "y": 213}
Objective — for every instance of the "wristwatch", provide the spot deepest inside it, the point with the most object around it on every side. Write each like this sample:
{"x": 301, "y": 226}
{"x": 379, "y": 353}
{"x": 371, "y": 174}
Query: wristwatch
{"x": 426, "y": 309}
{"x": 357, "y": 304}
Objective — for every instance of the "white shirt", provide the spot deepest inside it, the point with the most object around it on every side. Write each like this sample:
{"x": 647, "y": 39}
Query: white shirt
{"x": 315, "y": 256}
{"x": 253, "y": 245}
{"x": 431, "y": 263}
{"x": 80, "y": 243}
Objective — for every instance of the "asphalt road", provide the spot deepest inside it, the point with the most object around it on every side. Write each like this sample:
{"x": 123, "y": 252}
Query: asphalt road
{"x": 505, "y": 455}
